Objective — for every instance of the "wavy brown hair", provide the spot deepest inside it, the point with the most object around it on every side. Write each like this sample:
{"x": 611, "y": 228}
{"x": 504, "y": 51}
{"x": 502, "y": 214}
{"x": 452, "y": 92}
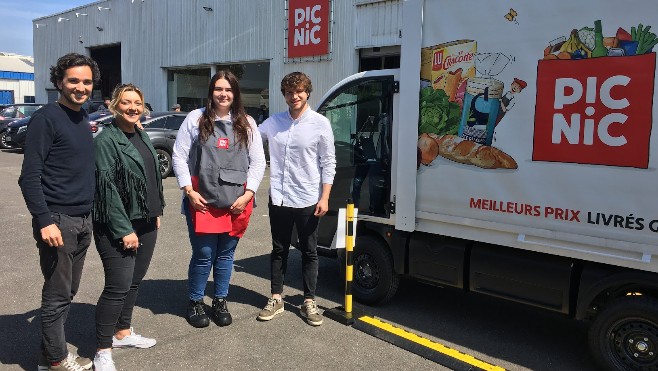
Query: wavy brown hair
{"x": 241, "y": 127}
{"x": 118, "y": 93}
{"x": 296, "y": 80}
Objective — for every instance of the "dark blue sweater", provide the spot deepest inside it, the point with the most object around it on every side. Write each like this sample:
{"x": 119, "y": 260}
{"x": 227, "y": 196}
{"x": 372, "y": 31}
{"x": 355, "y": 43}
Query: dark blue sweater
{"x": 58, "y": 172}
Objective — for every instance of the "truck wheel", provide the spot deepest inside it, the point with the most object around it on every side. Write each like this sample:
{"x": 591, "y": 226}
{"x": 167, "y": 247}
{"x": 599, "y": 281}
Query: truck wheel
{"x": 624, "y": 336}
{"x": 164, "y": 158}
{"x": 374, "y": 280}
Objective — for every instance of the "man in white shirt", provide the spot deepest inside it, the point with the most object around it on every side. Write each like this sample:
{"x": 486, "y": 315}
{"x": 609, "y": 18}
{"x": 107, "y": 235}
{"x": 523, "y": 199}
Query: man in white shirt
{"x": 302, "y": 169}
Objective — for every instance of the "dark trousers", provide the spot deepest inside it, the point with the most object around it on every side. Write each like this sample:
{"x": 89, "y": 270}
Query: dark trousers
{"x": 61, "y": 268}
{"x": 282, "y": 220}
{"x": 124, "y": 271}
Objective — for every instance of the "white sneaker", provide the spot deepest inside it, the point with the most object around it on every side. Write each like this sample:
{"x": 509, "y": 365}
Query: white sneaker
{"x": 103, "y": 361}
{"x": 133, "y": 341}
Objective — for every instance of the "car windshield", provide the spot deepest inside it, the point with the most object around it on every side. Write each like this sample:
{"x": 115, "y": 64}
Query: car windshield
{"x": 29, "y": 110}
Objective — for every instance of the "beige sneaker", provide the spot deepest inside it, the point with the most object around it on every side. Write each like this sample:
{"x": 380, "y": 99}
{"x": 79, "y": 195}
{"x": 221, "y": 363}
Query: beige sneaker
{"x": 309, "y": 310}
{"x": 44, "y": 365}
{"x": 273, "y": 307}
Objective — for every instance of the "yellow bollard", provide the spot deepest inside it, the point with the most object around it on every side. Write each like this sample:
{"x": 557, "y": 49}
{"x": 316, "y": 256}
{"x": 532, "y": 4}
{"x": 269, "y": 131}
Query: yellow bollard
{"x": 343, "y": 314}
{"x": 349, "y": 253}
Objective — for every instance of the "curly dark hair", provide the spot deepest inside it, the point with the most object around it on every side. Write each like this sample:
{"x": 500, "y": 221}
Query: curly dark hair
{"x": 241, "y": 126}
{"x": 296, "y": 80}
{"x": 73, "y": 60}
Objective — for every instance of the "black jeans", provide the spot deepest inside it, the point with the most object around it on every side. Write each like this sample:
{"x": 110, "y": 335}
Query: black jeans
{"x": 124, "y": 271}
{"x": 61, "y": 268}
{"x": 282, "y": 220}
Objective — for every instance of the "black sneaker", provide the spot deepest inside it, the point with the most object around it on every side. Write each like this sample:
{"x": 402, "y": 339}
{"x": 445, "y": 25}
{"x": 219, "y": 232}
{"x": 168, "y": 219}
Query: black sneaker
{"x": 220, "y": 312}
{"x": 196, "y": 315}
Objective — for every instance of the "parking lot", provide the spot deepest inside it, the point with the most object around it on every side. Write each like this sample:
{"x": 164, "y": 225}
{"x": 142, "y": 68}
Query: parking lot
{"x": 503, "y": 334}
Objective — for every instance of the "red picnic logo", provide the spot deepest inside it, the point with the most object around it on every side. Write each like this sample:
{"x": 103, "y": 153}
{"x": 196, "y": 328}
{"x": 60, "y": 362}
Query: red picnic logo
{"x": 222, "y": 143}
{"x": 308, "y": 28}
{"x": 595, "y": 111}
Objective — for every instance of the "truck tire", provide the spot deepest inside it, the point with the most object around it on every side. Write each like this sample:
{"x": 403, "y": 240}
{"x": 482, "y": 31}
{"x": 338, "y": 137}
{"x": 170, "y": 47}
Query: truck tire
{"x": 374, "y": 281}
{"x": 164, "y": 159}
{"x": 624, "y": 336}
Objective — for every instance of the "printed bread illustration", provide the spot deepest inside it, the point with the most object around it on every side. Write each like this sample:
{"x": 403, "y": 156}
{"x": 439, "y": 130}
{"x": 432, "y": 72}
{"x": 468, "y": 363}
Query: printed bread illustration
{"x": 463, "y": 151}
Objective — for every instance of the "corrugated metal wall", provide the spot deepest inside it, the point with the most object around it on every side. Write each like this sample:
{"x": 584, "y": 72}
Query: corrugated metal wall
{"x": 378, "y": 24}
{"x": 21, "y": 88}
{"x": 158, "y": 34}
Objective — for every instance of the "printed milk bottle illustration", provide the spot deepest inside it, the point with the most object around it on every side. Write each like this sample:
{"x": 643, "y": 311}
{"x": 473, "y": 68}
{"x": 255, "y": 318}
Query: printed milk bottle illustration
{"x": 482, "y": 99}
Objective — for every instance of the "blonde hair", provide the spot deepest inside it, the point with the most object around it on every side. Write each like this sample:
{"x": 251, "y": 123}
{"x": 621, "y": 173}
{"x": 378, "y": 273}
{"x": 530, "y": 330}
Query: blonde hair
{"x": 118, "y": 93}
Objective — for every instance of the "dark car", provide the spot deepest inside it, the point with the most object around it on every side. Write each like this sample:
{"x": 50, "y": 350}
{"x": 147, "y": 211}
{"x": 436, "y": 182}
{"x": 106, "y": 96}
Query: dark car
{"x": 14, "y": 136}
{"x": 162, "y": 128}
{"x": 11, "y": 113}
{"x": 98, "y": 120}
{"x": 17, "y": 131}
{"x": 94, "y": 106}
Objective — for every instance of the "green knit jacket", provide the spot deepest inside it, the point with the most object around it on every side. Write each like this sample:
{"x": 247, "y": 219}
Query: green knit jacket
{"x": 121, "y": 193}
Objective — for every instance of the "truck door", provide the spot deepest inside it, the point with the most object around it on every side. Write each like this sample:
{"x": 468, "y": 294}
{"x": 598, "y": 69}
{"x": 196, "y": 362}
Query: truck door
{"x": 360, "y": 113}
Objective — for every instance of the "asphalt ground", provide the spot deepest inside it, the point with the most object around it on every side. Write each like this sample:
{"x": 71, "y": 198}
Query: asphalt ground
{"x": 503, "y": 334}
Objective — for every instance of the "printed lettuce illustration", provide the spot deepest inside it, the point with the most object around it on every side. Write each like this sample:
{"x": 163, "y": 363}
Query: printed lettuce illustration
{"x": 437, "y": 114}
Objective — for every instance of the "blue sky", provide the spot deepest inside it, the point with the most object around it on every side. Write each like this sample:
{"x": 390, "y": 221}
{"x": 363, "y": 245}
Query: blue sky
{"x": 16, "y": 25}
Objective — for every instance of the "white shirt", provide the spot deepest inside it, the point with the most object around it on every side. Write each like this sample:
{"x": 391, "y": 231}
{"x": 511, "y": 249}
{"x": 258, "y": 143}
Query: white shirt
{"x": 302, "y": 157}
{"x": 189, "y": 132}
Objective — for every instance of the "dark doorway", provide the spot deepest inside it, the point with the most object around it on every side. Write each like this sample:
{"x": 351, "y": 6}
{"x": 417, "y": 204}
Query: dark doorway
{"x": 109, "y": 62}
{"x": 379, "y": 58}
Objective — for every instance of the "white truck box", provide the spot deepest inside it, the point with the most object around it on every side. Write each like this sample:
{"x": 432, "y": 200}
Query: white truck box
{"x": 514, "y": 154}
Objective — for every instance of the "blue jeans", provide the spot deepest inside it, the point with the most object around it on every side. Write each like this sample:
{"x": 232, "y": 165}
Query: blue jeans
{"x": 209, "y": 251}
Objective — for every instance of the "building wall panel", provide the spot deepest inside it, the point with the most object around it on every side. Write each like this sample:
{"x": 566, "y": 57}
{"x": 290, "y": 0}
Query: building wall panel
{"x": 162, "y": 34}
{"x": 378, "y": 24}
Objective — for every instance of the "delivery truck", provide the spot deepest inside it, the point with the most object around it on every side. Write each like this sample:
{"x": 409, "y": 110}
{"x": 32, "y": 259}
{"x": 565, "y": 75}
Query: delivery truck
{"x": 514, "y": 154}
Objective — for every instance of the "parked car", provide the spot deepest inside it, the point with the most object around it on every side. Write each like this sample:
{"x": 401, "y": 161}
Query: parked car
{"x": 98, "y": 120}
{"x": 14, "y": 136}
{"x": 162, "y": 128}
{"x": 11, "y": 113}
{"x": 17, "y": 130}
{"x": 92, "y": 106}
{"x": 18, "y": 111}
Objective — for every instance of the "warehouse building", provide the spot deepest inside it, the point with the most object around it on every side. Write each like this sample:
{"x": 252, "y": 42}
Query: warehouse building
{"x": 171, "y": 48}
{"x": 16, "y": 79}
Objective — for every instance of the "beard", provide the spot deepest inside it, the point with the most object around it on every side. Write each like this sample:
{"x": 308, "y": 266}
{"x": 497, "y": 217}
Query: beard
{"x": 70, "y": 100}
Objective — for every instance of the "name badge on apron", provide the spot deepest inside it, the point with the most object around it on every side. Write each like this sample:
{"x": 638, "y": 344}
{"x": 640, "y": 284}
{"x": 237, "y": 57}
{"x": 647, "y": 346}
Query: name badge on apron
{"x": 222, "y": 143}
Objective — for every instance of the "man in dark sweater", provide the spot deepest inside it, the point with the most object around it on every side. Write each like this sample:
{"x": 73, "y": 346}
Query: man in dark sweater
{"x": 58, "y": 181}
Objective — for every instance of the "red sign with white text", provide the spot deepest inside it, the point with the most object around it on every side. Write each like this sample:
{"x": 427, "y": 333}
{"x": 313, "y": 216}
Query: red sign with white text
{"x": 595, "y": 111}
{"x": 308, "y": 28}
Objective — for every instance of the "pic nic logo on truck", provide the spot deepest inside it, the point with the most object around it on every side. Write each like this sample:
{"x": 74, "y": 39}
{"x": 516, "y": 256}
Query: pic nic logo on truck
{"x": 594, "y": 101}
{"x": 308, "y": 28}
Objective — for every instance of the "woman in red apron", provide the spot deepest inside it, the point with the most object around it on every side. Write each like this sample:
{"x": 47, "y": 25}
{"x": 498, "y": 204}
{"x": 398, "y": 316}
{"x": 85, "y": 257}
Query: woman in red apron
{"x": 219, "y": 162}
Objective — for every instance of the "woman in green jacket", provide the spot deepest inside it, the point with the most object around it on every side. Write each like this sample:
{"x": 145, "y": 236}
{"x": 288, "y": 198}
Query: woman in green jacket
{"x": 127, "y": 208}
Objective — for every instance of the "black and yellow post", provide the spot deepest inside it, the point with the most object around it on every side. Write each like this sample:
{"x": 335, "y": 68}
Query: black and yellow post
{"x": 349, "y": 254}
{"x": 343, "y": 314}
{"x": 437, "y": 352}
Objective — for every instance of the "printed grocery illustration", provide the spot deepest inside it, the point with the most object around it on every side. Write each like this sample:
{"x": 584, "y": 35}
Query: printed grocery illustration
{"x": 461, "y": 103}
{"x": 595, "y": 97}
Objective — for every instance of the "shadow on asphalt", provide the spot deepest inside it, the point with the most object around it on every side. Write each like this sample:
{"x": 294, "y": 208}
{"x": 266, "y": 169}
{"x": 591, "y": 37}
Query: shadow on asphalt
{"x": 20, "y": 345}
{"x": 526, "y": 336}
{"x": 17, "y": 151}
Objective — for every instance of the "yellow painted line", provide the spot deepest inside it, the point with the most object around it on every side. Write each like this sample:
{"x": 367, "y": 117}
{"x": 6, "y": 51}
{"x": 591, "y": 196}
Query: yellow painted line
{"x": 430, "y": 344}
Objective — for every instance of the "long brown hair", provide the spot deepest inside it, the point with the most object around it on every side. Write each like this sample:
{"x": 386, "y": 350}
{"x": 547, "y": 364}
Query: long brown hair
{"x": 241, "y": 126}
